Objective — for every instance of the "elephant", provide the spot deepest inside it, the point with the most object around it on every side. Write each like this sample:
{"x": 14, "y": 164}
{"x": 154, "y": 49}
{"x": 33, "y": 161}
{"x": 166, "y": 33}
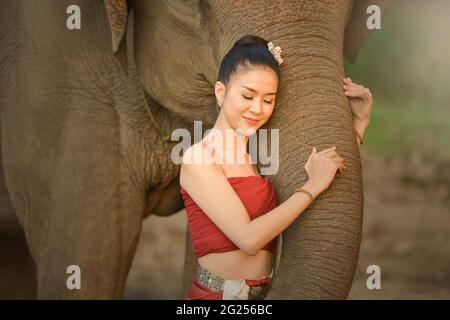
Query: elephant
{"x": 85, "y": 116}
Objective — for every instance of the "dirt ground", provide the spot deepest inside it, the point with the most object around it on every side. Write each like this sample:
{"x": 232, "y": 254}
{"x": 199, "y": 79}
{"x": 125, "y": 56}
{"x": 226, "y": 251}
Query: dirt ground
{"x": 406, "y": 233}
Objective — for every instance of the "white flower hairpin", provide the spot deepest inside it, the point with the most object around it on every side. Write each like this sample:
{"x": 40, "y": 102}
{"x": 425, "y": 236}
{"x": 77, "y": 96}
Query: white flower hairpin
{"x": 276, "y": 51}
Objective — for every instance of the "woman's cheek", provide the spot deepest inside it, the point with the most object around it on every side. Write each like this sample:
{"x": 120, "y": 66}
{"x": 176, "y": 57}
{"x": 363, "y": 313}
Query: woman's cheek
{"x": 268, "y": 112}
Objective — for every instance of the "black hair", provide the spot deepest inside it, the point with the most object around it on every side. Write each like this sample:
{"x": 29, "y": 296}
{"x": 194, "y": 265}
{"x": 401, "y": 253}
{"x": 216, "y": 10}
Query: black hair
{"x": 249, "y": 49}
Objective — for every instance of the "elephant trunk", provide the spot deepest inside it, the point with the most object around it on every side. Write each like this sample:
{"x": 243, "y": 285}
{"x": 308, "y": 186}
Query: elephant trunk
{"x": 320, "y": 249}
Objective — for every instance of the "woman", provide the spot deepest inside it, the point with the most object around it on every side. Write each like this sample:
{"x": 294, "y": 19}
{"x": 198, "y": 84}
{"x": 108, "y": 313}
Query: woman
{"x": 234, "y": 218}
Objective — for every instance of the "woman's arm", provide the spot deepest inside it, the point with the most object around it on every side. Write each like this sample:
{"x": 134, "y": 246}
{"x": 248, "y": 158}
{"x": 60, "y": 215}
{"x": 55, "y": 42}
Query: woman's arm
{"x": 360, "y": 127}
{"x": 211, "y": 191}
{"x": 361, "y": 103}
{"x": 265, "y": 228}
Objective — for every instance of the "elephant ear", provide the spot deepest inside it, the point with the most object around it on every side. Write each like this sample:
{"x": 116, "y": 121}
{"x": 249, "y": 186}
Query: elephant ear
{"x": 356, "y": 30}
{"x": 117, "y": 11}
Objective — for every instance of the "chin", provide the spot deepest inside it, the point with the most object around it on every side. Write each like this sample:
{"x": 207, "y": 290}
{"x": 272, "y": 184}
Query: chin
{"x": 248, "y": 130}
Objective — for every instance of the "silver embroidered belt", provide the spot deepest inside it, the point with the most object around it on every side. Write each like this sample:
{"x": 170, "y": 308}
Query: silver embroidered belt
{"x": 216, "y": 284}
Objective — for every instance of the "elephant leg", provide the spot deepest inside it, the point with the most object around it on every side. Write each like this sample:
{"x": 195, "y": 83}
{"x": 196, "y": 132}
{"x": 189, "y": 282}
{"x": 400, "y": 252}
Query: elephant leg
{"x": 102, "y": 275}
{"x": 85, "y": 212}
{"x": 99, "y": 236}
{"x": 17, "y": 269}
{"x": 101, "y": 243}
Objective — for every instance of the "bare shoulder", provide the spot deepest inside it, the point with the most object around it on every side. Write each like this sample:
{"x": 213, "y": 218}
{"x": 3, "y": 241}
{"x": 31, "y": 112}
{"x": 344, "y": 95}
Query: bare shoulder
{"x": 208, "y": 186}
{"x": 198, "y": 163}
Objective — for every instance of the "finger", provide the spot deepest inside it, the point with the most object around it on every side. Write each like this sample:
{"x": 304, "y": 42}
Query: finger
{"x": 356, "y": 93}
{"x": 353, "y": 86}
{"x": 325, "y": 151}
{"x": 357, "y": 85}
{"x": 329, "y": 148}
{"x": 367, "y": 94}
{"x": 331, "y": 154}
{"x": 334, "y": 156}
{"x": 308, "y": 161}
{"x": 347, "y": 79}
{"x": 352, "y": 91}
{"x": 339, "y": 164}
{"x": 350, "y": 82}
{"x": 338, "y": 160}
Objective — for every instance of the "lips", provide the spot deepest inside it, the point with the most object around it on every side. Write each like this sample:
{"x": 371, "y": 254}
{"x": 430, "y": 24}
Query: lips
{"x": 251, "y": 120}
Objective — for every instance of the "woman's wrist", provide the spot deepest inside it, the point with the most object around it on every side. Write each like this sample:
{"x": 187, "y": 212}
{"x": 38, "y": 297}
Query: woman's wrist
{"x": 360, "y": 126}
{"x": 311, "y": 188}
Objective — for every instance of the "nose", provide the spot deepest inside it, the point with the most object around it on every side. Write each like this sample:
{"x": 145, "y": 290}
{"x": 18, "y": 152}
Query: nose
{"x": 256, "y": 107}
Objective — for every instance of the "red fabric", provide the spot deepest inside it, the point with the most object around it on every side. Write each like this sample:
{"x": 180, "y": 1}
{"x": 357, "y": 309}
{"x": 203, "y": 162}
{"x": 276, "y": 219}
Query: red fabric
{"x": 199, "y": 292}
{"x": 258, "y": 196}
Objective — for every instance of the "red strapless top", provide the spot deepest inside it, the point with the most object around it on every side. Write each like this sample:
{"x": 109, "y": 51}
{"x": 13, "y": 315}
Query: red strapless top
{"x": 258, "y": 196}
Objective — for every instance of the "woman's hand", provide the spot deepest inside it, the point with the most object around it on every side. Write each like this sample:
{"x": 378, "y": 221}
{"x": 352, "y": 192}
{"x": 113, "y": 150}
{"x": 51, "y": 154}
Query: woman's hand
{"x": 360, "y": 100}
{"x": 321, "y": 168}
{"x": 361, "y": 103}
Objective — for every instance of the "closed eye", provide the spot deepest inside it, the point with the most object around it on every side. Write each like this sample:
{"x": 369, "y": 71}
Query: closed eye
{"x": 250, "y": 98}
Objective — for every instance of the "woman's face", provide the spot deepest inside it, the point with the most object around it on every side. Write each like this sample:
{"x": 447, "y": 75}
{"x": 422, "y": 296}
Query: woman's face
{"x": 249, "y": 95}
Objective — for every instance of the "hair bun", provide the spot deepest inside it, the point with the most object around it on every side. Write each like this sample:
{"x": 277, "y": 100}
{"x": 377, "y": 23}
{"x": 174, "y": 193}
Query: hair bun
{"x": 249, "y": 50}
{"x": 250, "y": 39}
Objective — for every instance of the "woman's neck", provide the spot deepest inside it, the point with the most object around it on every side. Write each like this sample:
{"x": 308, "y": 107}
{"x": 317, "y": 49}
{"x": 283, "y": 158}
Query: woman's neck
{"x": 232, "y": 140}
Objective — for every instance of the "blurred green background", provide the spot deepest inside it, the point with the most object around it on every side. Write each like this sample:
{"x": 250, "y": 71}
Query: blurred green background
{"x": 406, "y": 64}
{"x": 406, "y": 154}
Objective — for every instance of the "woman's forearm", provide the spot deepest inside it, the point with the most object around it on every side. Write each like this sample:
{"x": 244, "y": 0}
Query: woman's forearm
{"x": 360, "y": 127}
{"x": 265, "y": 228}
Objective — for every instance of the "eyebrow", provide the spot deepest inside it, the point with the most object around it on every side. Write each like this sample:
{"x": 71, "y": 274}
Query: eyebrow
{"x": 248, "y": 88}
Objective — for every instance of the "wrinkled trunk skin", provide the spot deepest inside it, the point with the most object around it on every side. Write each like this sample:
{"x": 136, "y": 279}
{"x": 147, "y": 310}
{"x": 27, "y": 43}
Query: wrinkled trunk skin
{"x": 320, "y": 249}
